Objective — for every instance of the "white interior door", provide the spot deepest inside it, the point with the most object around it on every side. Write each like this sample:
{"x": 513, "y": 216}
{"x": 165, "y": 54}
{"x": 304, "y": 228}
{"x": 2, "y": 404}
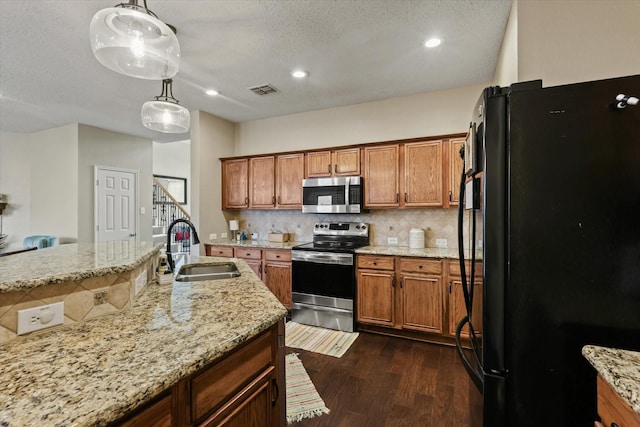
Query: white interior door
{"x": 116, "y": 204}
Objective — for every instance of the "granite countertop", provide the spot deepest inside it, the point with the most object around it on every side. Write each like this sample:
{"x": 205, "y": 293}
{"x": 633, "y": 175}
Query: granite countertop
{"x": 451, "y": 253}
{"x": 261, "y": 244}
{"x": 74, "y": 261}
{"x": 94, "y": 372}
{"x": 620, "y": 368}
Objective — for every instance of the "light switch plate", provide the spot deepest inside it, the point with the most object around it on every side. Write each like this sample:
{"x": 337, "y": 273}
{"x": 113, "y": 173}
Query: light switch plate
{"x": 441, "y": 243}
{"x": 223, "y": 235}
{"x": 213, "y": 236}
{"x": 392, "y": 240}
{"x": 36, "y": 318}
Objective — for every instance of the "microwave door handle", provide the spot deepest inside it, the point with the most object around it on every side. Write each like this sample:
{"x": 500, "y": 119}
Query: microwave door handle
{"x": 346, "y": 189}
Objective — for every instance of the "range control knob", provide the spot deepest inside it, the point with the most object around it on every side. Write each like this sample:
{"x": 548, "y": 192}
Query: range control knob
{"x": 364, "y": 227}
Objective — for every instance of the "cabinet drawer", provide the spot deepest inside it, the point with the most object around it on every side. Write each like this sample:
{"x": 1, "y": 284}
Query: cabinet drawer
{"x": 454, "y": 268}
{"x": 217, "y": 384}
{"x": 277, "y": 255}
{"x": 421, "y": 265}
{"x": 157, "y": 414}
{"x": 223, "y": 251}
{"x": 376, "y": 262}
{"x": 247, "y": 253}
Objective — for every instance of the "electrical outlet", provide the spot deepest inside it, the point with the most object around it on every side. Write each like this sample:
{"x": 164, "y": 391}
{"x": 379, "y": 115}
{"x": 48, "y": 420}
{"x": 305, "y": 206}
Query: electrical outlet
{"x": 213, "y": 236}
{"x": 441, "y": 243}
{"x": 392, "y": 240}
{"x": 223, "y": 235}
{"x": 479, "y": 246}
{"x": 36, "y": 318}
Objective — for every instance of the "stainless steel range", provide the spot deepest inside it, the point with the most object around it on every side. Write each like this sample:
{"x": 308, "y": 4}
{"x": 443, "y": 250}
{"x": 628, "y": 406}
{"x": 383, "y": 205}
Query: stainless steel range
{"x": 324, "y": 275}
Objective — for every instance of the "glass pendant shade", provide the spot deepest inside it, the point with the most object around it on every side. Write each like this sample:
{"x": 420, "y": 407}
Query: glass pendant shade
{"x": 130, "y": 40}
{"x": 164, "y": 114}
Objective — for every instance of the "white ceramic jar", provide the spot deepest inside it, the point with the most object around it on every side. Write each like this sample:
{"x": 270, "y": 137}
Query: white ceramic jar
{"x": 416, "y": 238}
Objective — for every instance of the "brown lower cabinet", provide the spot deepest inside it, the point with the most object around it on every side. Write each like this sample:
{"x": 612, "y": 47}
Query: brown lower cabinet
{"x": 245, "y": 388}
{"x": 412, "y": 295}
{"x": 613, "y": 410}
{"x": 272, "y": 266}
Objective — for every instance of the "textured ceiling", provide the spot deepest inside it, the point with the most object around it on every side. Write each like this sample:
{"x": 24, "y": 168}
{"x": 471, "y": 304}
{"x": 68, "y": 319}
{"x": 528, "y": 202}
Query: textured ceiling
{"x": 355, "y": 51}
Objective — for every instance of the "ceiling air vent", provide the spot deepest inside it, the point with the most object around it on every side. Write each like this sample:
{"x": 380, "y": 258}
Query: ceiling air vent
{"x": 263, "y": 89}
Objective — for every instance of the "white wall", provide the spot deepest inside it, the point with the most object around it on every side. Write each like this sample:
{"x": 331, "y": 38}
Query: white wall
{"x": 506, "y": 71}
{"x": 38, "y": 174}
{"x": 568, "y": 41}
{"x": 54, "y": 183}
{"x": 211, "y": 138}
{"x": 105, "y": 148}
{"x": 15, "y": 184}
{"x": 426, "y": 114}
{"x": 174, "y": 159}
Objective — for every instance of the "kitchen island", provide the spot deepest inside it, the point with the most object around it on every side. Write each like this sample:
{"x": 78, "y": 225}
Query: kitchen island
{"x": 97, "y": 371}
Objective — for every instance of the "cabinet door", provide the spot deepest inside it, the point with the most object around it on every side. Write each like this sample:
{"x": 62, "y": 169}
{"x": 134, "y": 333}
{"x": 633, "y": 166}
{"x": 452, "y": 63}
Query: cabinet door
{"x": 253, "y": 406}
{"x": 262, "y": 182}
{"x": 346, "y": 162}
{"x": 457, "y": 308}
{"x": 376, "y": 293}
{"x": 381, "y": 176}
{"x": 277, "y": 277}
{"x": 318, "y": 164}
{"x": 421, "y": 302}
{"x": 423, "y": 183}
{"x": 256, "y": 266}
{"x": 289, "y": 175}
{"x": 455, "y": 170}
{"x": 235, "y": 184}
{"x": 157, "y": 414}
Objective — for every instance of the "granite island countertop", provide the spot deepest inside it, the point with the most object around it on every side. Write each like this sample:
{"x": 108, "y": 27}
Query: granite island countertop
{"x": 450, "y": 253}
{"x": 620, "y": 368}
{"x": 96, "y": 371}
{"x": 73, "y": 261}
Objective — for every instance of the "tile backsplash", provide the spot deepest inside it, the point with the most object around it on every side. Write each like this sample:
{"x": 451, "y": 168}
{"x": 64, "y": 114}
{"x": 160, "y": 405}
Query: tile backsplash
{"x": 437, "y": 224}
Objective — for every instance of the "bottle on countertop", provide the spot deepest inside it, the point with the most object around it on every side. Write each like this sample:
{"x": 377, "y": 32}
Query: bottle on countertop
{"x": 243, "y": 235}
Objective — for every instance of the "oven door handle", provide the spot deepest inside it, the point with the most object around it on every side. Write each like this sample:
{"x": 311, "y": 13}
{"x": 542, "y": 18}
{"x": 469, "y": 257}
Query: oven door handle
{"x": 322, "y": 257}
{"x": 299, "y": 305}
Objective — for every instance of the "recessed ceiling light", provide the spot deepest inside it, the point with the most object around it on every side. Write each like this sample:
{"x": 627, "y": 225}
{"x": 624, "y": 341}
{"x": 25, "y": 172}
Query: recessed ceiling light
{"x": 299, "y": 74}
{"x": 212, "y": 92}
{"x": 432, "y": 42}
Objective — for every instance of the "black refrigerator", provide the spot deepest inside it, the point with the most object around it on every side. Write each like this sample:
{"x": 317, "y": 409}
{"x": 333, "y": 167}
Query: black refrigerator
{"x": 550, "y": 194}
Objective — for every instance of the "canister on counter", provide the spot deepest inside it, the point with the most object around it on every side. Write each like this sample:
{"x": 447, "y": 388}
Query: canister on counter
{"x": 416, "y": 238}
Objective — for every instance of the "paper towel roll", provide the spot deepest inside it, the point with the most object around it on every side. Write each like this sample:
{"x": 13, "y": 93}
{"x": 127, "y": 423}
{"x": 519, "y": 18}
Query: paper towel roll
{"x": 416, "y": 238}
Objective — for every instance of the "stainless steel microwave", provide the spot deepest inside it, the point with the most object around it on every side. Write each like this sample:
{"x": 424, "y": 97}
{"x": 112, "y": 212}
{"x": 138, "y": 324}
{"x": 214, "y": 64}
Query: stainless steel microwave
{"x": 332, "y": 195}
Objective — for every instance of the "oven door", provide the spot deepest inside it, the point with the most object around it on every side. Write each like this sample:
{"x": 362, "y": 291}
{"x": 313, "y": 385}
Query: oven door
{"x": 327, "y": 274}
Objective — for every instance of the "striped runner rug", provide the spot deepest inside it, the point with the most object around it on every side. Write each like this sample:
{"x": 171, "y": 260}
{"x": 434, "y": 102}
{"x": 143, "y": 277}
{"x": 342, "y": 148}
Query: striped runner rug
{"x": 303, "y": 400}
{"x": 319, "y": 340}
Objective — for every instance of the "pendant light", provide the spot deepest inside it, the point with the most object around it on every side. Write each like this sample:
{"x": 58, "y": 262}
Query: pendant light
{"x": 131, "y": 40}
{"x": 164, "y": 113}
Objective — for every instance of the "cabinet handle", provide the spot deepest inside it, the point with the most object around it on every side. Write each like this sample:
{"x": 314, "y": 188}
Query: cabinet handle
{"x": 275, "y": 385}
{"x": 397, "y": 197}
{"x": 273, "y": 200}
{"x": 329, "y": 168}
{"x": 278, "y": 199}
{"x": 406, "y": 198}
{"x": 450, "y": 284}
{"x": 375, "y": 263}
{"x": 450, "y": 195}
{"x": 246, "y": 201}
{"x": 277, "y": 256}
{"x": 260, "y": 269}
{"x": 335, "y": 168}
{"x": 401, "y": 281}
{"x": 393, "y": 282}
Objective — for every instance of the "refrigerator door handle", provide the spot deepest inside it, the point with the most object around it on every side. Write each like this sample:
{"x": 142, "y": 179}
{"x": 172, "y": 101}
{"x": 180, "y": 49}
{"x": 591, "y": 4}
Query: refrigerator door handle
{"x": 474, "y": 374}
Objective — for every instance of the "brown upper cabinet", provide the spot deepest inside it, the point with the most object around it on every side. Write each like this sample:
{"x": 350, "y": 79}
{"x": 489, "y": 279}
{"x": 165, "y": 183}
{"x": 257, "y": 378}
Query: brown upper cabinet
{"x": 404, "y": 175}
{"x": 235, "y": 184}
{"x": 289, "y": 176}
{"x": 455, "y": 171}
{"x": 265, "y": 182}
{"x": 345, "y": 162}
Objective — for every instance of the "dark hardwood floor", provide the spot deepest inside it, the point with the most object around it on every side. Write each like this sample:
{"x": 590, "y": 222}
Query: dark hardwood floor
{"x": 388, "y": 381}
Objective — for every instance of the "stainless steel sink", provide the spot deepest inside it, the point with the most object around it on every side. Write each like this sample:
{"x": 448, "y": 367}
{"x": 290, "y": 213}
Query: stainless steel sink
{"x": 209, "y": 271}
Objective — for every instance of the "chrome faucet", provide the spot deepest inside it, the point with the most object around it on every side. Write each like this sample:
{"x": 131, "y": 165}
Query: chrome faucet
{"x": 196, "y": 239}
